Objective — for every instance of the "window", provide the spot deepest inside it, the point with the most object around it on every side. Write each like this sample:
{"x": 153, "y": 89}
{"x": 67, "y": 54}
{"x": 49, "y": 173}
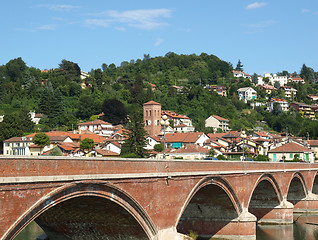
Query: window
{"x": 291, "y": 155}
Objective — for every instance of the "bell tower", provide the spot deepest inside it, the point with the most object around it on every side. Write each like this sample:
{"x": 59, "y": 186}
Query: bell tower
{"x": 152, "y": 116}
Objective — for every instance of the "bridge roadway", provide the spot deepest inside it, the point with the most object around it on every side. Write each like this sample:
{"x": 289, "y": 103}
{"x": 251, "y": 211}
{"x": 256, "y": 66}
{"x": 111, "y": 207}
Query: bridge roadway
{"x": 107, "y": 198}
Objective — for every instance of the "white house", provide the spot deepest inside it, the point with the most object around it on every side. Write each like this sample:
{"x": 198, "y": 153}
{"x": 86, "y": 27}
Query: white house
{"x": 289, "y": 150}
{"x": 275, "y": 78}
{"x": 99, "y": 127}
{"x": 114, "y": 147}
{"x": 282, "y": 102}
{"x": 216, "y": 122}
{"x": 181, "y": 123}
{"x": 17, "y": 146}
{"x": 151, "y": 142}
{"x": 189, "y": 152}
{"x": 246, "y": 94}
{"x": 290, "y": 92}
{"x": 241, "y": 74}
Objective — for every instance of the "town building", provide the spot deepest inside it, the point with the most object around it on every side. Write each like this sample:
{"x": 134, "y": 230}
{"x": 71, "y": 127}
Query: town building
{"x": 220, "y": 90}
{"x": 275, "y": 78}
{"x": 289, "y": 92}
{"x": 152, "y": 117}
{"x": 98, "y": 126}
{"x": 282, "y": 102}
{"x": 216, "y": 122}
{"x": 238, "y": 74}
{"x": 181, "y": 123}
{"x": 304, "y": 109}
{"x": 288, "y": 152}
{"x": 247, "y": 94}
{"x": 268, "y": 88}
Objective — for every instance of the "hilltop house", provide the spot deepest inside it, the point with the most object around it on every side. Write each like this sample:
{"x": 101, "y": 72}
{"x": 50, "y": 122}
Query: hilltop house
{"x": 304, "y": 109}
{"x": 282, "y": 102}
{"x": 216, "y": 122}
{"x": 289, "y": 92}
{"x": 246, "y": 94}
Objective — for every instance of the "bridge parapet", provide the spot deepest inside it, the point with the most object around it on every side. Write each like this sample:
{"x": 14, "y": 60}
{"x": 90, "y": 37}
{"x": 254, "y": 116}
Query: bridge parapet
{"x": 160, "y": 194}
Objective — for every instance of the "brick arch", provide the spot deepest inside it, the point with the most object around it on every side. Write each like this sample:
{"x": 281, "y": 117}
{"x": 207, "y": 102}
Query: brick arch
{"x": 69, "y": 191}
{"x": 292, "y": 189}
{"x": 314, "y": 187}
{"x": 220, "y": 182}
{"x": 211, "y": 208}
{"x": 271, "y": 179}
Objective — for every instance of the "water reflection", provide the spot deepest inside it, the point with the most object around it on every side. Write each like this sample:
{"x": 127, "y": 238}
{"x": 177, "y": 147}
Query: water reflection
{"x": 31, "y": 232}
{"x": 306, "y": 228}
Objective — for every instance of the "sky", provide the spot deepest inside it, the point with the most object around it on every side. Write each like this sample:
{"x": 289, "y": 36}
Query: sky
{"x": 267, "y": 36}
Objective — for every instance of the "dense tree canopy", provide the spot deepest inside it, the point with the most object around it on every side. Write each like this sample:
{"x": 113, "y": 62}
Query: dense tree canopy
{"x": 65, "y": 99}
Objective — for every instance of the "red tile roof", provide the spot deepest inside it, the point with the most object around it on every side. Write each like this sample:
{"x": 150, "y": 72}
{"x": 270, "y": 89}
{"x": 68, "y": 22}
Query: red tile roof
{"x": 220, "y": 118}
{"x": 190, "y": 137}
{"x": 151, "y": 103}
{"x": 192, "y": 149}
{"x": 96, "y": 122}
{"x": 104, "y": 152}
{"x": 290, "y": 147}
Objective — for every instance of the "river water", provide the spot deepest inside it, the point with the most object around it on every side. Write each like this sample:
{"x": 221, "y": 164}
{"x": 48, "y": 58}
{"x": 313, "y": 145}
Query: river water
{"x": 306, "y": 228}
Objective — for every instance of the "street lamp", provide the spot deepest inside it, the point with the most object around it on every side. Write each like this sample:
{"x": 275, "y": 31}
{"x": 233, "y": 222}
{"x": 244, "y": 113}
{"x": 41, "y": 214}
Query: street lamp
{"x": 243, "y": 136}
{"x": 164, "y": 123}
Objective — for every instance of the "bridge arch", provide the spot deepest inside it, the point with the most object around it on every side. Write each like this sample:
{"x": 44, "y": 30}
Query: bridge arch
{"x": 86, "y": 190}
{"x": 266, "y": 196}
{"x": 211, "y": 205}
{"x": 315, "y": 184}
{"x": 297, "y": 188}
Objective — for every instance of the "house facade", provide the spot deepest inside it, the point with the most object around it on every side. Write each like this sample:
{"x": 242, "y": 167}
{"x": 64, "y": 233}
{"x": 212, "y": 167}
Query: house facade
{"x": 289, "y": 150}
{"x": 98, "y": 126}
{"x": 282, "y": 102}
{"x": 275, "y": 78}
{"x": 247, "y": 94}
{"x": 304, "y": 109}
{"x": 289, "y": 92}
{"x": 216, "y": 122}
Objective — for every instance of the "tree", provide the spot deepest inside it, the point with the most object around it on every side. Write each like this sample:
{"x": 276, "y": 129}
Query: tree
{"x": 255, "y": 79}
{"x": 136, "y": 136}
{"x": 276, "y": 84}
{"x": 42, "y": 140}
{"x": 87, "y": 144}
{"x": 158, "y": 147}
{"x": 239, "y": 66}
{"x": 114, "y": 111}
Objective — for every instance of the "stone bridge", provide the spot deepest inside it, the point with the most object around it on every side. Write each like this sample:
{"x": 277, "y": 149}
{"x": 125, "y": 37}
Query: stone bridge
{"x": 106, "y": 198}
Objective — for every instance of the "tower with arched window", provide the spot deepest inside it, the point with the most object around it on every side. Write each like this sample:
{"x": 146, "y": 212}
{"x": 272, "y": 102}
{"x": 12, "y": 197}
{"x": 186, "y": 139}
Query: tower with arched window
{"x": 152, "y": 116}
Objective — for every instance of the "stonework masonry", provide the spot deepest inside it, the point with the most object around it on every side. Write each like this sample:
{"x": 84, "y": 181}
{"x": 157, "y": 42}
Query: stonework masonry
{"x": 163, "y": 199}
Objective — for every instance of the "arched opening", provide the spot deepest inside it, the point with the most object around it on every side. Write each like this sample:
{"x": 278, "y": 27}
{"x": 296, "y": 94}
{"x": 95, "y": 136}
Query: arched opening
{"x": 264, "y": 199}
{"x": 89, "y": 217}
{"x": 296, "y": 191}
{"x": 315, "y": 185}
{"x": 208, "y": 212}
{"x": 88, "y": 210}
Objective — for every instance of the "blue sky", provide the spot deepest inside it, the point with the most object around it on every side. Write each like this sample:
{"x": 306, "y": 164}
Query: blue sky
{"x": 267, "y": 36}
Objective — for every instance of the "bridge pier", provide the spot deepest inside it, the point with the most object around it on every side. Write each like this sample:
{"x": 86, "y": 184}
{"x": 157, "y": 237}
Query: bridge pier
{"x": 267, "y": 214}
{"x": 309, "y": 204}
{"x": 170, "y": 234}
{"x": 242, "y": 227}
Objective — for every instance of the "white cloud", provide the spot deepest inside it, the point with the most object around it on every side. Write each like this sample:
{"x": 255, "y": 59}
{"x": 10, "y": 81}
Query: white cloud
{"x": 256, "y": 5}
{"x": 58, "y": 7}
{"x": 305, "y": 10}
{"x": 258, "y": 27}
{"x": 97, "y": 22}
{"x": 143, "y": 18}
{"x": 47, "y": 27}
{"x": 158, "y": 42}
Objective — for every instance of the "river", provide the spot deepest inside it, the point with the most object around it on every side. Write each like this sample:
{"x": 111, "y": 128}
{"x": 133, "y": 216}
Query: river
{"x": 306, "y": 228}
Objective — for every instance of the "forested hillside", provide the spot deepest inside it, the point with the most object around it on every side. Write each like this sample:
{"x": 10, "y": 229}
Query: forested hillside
{"x": 65, "y": 99}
